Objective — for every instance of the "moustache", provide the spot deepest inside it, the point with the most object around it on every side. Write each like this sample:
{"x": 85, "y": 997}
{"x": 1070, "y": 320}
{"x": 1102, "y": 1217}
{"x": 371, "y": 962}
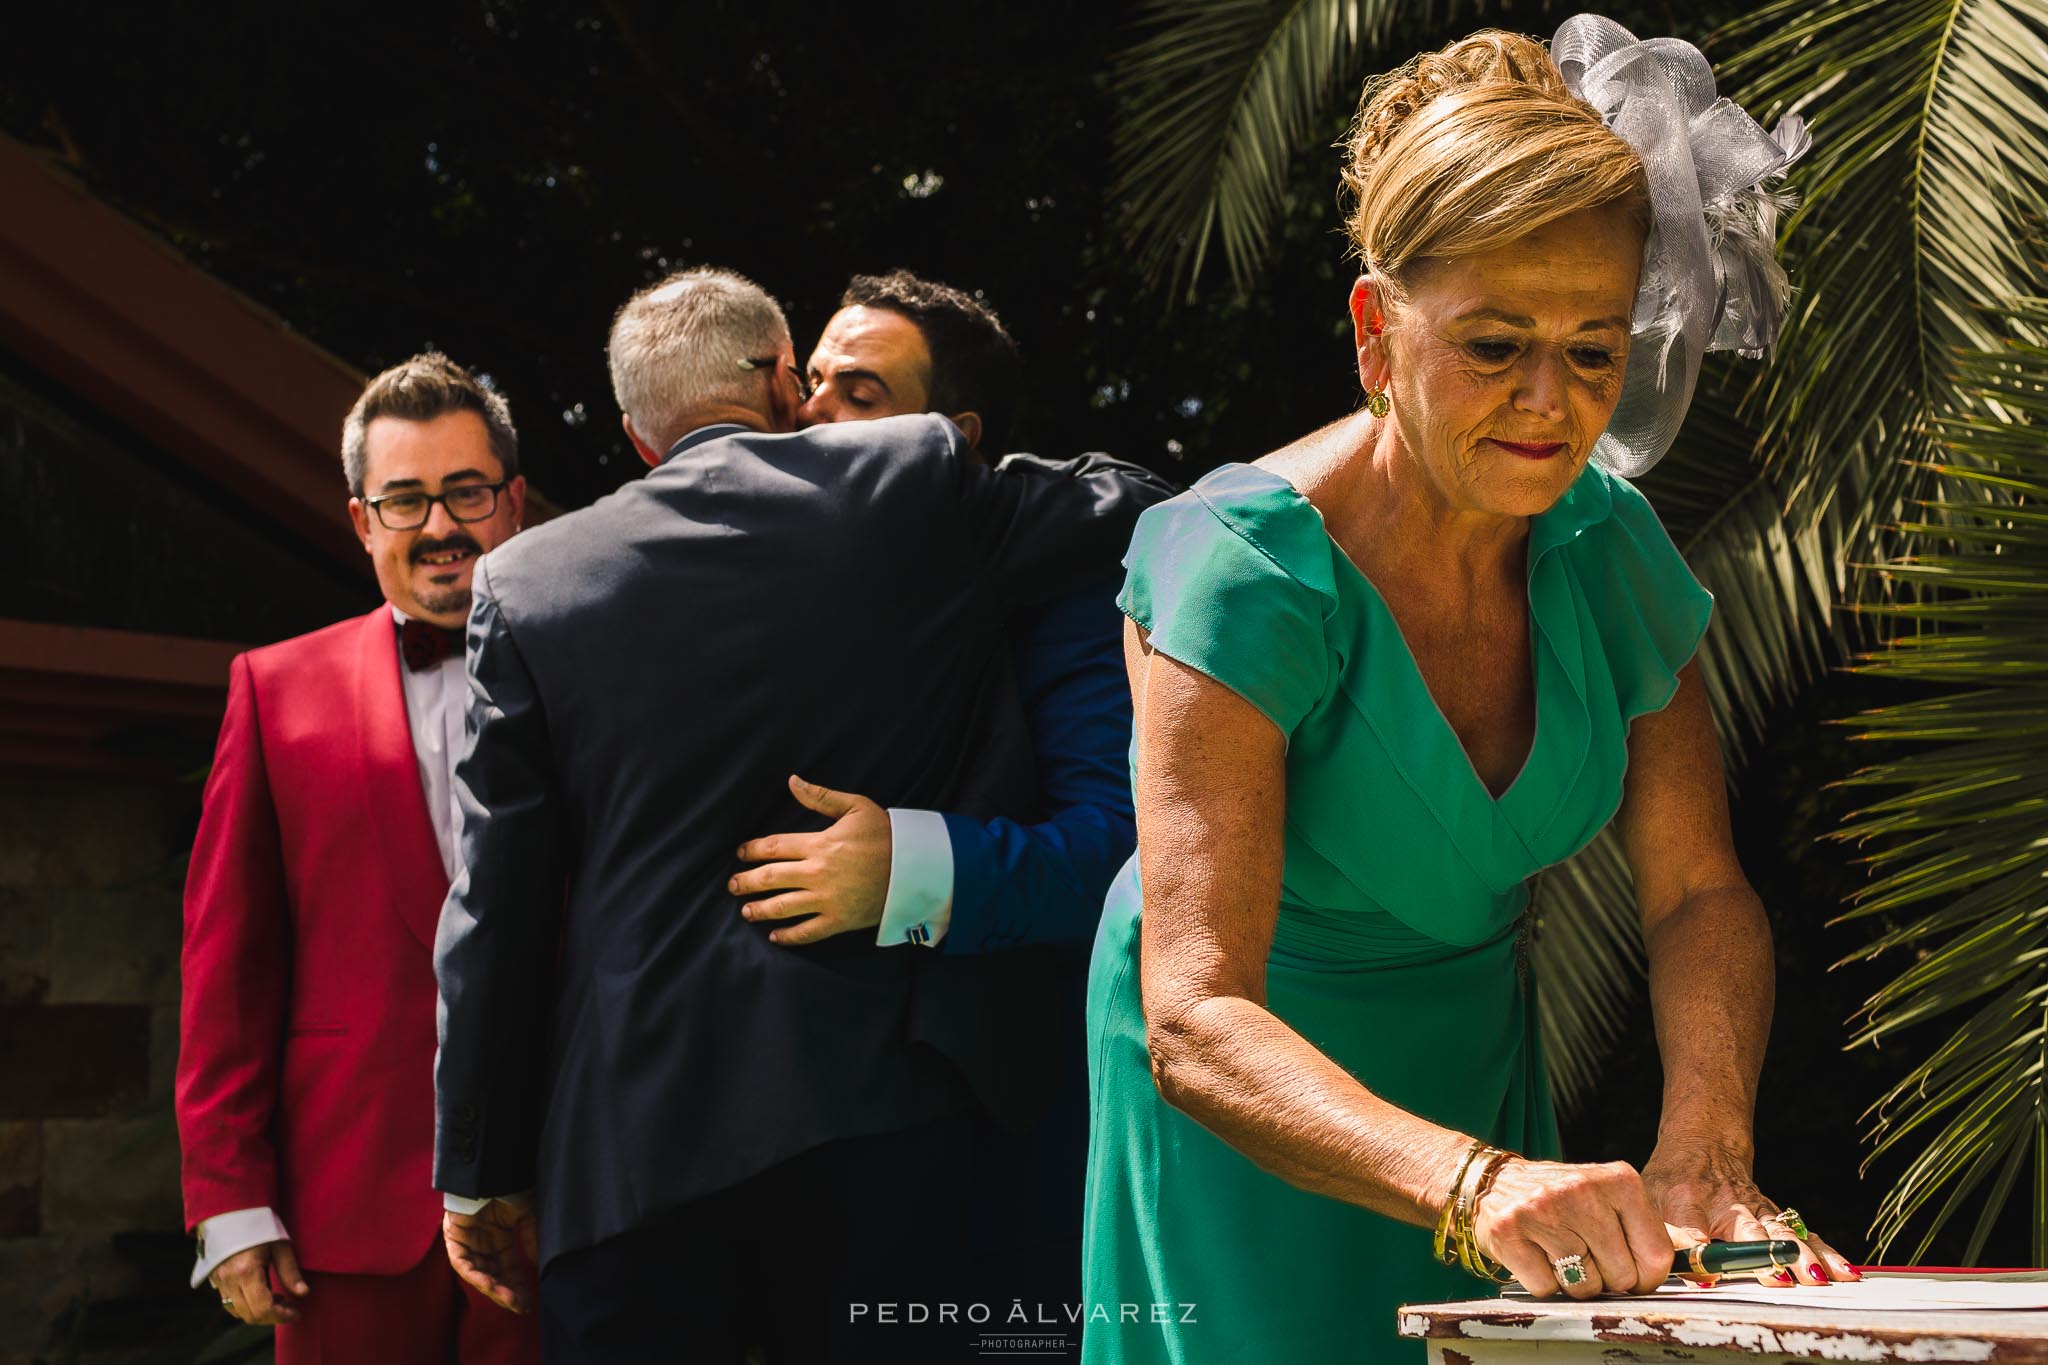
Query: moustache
{"x": 429, "y": 546}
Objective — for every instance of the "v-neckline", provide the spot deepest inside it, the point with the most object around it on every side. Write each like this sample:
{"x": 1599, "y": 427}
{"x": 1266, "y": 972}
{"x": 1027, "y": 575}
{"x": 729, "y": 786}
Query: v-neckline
{"x": 1414, "y": 666}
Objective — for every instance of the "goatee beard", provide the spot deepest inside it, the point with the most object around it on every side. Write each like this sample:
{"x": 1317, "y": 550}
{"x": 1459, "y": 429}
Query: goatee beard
{"x": 443, "y": 601}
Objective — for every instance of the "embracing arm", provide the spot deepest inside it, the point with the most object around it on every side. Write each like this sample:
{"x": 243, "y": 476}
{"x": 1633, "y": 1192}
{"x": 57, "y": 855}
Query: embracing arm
{"x": 1712, "y": 977}
{"x": 1045, "y": 527}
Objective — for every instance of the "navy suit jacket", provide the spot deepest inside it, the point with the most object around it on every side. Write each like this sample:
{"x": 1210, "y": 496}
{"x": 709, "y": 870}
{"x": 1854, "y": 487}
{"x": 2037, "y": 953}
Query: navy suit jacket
{"x": 1021, "y": 884}
{"x": 644, "y": 675}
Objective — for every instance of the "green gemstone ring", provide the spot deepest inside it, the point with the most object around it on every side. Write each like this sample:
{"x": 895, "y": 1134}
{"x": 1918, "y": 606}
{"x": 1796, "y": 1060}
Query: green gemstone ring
{"x": 1790, "y": 1220}
{"x": 1570, "y": 1270}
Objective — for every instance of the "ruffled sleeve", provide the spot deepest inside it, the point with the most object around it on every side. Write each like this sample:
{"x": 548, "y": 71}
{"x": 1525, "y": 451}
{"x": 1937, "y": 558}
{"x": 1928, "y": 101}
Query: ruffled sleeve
{"x": 1652, "y": 611}
{"x": 1221, "y": 577}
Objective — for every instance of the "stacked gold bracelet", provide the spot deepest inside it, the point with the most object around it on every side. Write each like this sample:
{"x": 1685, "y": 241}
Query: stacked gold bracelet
{"x": 1456, "y": 1243}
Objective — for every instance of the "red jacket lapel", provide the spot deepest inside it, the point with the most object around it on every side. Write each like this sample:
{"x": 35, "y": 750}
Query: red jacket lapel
{"x": 415, "y": 879}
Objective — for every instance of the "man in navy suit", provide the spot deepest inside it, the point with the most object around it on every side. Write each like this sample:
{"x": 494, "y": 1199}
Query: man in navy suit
{"x": 951, "y": 883}
{"x": 732, "y": 1138}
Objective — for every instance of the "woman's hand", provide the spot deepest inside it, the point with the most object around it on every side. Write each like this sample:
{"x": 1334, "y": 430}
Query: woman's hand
{"x": 1539, "y": 1212}
{"x": 1706, "y": 1194}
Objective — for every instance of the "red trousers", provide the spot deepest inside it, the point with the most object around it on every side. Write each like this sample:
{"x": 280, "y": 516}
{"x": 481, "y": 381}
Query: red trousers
{"x": 426, "y": 1316}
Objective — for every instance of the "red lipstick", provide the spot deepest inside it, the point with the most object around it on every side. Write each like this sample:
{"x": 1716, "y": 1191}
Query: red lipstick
{"x": 1529, "y": 450}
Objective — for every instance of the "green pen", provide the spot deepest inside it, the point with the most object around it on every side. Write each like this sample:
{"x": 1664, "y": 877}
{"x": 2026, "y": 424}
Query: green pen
{"x": 1723, "y": 1258}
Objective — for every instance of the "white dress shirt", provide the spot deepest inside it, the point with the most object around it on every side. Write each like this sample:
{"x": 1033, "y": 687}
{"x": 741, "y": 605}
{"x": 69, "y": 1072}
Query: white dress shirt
{"x": 434, "y": 700}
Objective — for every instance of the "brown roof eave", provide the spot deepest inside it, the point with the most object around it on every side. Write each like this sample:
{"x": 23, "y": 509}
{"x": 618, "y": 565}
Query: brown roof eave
{"x": 112, "y": 312}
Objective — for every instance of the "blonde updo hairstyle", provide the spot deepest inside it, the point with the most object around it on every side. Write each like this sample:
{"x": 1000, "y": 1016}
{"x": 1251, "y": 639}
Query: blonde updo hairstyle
{"x": 1464, "y": 150}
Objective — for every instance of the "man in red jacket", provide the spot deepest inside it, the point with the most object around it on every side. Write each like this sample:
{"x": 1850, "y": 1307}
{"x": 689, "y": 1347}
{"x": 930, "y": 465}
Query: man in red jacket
{"x": 305, "y": 1092}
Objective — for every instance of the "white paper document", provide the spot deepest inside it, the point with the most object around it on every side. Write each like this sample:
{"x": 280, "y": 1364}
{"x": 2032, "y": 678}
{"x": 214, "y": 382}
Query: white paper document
{"x": 1879, "y": 1292}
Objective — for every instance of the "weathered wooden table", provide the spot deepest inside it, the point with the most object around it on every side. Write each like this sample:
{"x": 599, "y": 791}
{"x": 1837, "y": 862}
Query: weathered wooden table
{"x": 1625, "y": 1331}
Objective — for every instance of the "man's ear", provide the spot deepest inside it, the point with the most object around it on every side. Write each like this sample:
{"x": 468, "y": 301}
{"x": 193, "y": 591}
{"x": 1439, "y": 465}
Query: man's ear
{"x": 648, "y": 453}
{"x": 970, "y": 427}
{"x": 785, "y": 400}
{"x": 359, "y": 517}
{"x": 515, "y": 493}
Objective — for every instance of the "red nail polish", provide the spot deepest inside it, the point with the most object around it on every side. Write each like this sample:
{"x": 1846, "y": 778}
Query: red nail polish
{"x": 1785, "y": 1277}
{"x": 1818, "y": 1273}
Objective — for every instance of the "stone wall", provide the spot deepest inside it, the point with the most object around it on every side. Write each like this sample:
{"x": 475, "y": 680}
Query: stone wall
{"x": 90, "y": 1222}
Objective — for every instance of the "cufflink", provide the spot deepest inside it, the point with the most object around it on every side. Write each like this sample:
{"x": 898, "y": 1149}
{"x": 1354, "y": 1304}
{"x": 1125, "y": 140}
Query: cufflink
{"x": 920, "y": 934}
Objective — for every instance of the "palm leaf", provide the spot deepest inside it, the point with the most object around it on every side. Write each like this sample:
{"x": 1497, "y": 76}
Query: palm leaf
{"x": 1587, "y": 960}
{"x": 1959, "y": 837}
{"x": 1216, "y": 101}
{"x": 1927, "y": 180}
{"x": 1773, "y": 629}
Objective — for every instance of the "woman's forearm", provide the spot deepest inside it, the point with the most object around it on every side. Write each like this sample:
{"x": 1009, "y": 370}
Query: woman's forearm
{"x": 1711, "y": 993}
{"x": 1234, "y": 1067}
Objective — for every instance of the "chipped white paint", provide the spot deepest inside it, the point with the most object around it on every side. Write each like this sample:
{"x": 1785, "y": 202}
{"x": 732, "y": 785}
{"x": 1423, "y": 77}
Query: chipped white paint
{"x": 1842, "y": 1346}
{"x": 1633, "y": 1327}
{"x": 1495, "y": 1332}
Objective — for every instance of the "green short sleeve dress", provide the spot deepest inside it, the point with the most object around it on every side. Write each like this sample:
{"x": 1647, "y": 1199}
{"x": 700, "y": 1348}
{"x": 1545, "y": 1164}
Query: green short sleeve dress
{"x": 1404, "y": 883}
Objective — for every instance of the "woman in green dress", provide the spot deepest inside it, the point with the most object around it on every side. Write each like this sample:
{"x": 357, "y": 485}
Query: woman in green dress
{"x": 1387, "y": 674}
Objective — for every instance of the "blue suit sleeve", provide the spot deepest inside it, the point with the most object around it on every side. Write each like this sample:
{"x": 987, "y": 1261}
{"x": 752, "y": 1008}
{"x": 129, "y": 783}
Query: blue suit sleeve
{"x": 1016, "y": 884}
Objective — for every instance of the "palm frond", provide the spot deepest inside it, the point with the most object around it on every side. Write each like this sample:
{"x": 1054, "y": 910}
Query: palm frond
{"x": 1922, "y": 200}
{"x": 1216, "y": 101}
{"x": 1775, "y": 585}
{"x": 1775, "y": 580}
{"x": 1959, "y": 836}
{"x": 1587, "y": 960}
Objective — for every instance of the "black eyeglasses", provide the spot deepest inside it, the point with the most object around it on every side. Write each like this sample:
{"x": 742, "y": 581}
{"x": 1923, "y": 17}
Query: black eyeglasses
{"x": 803, "y": 384}
{"x": 409, "y": 511}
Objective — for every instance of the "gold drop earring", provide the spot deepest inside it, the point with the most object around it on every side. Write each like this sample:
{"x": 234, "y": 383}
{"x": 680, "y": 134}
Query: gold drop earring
{"x": 1376, "y": 400}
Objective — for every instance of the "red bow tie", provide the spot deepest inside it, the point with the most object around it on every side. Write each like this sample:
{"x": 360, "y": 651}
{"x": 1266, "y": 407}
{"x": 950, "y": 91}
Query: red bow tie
{"x": 424, "y": 644}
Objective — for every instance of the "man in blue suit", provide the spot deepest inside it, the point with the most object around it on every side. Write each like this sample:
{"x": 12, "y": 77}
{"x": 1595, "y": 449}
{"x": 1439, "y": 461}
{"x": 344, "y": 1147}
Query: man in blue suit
{"x": 955, "y": 884}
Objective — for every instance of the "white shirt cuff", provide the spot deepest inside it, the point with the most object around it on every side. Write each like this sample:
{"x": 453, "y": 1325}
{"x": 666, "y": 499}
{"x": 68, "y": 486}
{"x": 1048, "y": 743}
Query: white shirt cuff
{"x": 224, "y": 1234}
{"x": 469, "y": 1208}
{"x": 919, "y": 905}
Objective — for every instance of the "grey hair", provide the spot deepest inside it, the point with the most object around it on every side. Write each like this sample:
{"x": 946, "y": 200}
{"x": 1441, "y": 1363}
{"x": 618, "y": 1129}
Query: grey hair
{"x": 676, "y": 347}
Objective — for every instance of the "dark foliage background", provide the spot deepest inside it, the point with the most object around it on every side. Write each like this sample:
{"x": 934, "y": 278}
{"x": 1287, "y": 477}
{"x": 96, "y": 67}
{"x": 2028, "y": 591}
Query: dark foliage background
{"x": 492, "y": 178}
{"x": 495, "y": 178}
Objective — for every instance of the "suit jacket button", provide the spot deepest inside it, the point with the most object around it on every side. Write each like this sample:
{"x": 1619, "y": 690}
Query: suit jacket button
{"x": 466, "y": 1113}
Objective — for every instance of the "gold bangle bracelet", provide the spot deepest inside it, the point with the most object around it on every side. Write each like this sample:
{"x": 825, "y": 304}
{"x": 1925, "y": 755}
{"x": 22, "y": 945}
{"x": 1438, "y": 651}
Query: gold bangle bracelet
{"x": 1480, "y": 1264}
{"x": 1448, "y": 1251}
{"x": 1461, "y": 1242}
{"x": 1461, "y": 1226}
